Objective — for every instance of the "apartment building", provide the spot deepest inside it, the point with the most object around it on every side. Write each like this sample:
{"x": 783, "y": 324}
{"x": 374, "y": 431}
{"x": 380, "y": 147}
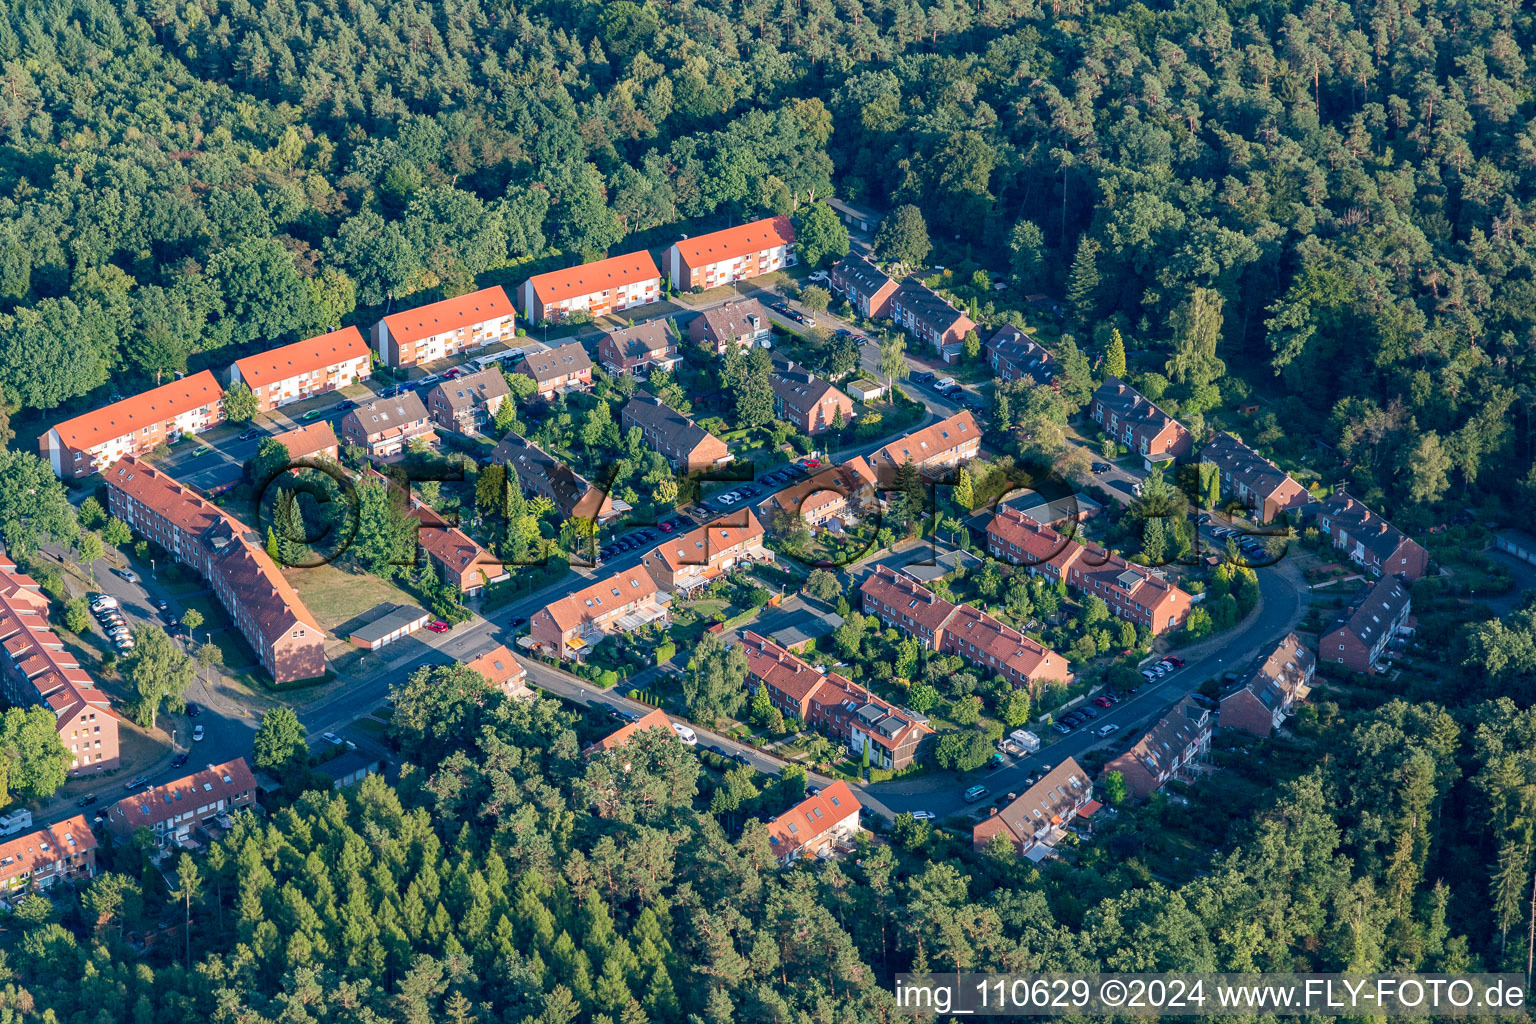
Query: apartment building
{"x": 1369, "y": 540}
{"x": 1014, "y": 355}
{"x": 466, "y": 404}
{"x": 385, "y": 426}
{"x": 816, "y": 825}
{"x": 830, "y": 703}
{"x": 262, "y": 604}
{"x": 541, "y": 474}
{"x": 625, "y": 601}
{"x": 1252, "y": 480}
{"x": 1179, "y": 739}
{"x": 1273, "y": 685}
{"x": 1360, "y": 638}
{"x": 36, "y": 668}
{"x": 902, "y": 603}
{"x": 607, "y": 286}
{"x": 946, "y": 444}
{"x": 1125, "y": 415}
{"x": 63, "y": 852}
{"x": 867, "y": 288}
{"x": 740, "y": 323}
{"x": 811, "y": 404}
{"x": 134, "y": 426}
{"x": 451, "y": 327}
{"x": 929, "y": 317}
{"x": 734, "y": 254}
{"x": 1036, "y": 821}
{"x": 683, "y": 563}
{"x": 688, "y": 447}
{"x": 314, "y": 366}
{"x": 1133, "y": 592}
{"x": 640, "y": 349}
{"x": 173, "y": 810}
{"x": 566, "y": 368}
{"x": 842, "y": 491}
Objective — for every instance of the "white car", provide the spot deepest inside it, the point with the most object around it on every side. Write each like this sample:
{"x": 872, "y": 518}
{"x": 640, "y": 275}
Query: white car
{"x": 728, "y": 499}
{"x": 197, "y": 733}
{"x": 429, "y": 379}
{"x": 103, "y": 602}
{"x": 1107, "y": 730}
{"x": 923, "y": 815}
{"x": 687, "y": 735}
{"x": 819, "y": 277}
{"x": 331, "y": 737}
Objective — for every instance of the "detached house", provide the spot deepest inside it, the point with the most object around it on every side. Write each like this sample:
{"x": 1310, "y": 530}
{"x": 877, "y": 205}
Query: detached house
{"x": 688, "y": 447}
{"x": 315, "y": 366}
{"x": 63, "y": 852}
{"x": 816, "y": 825}
{"x": 1180, "y": 737}
{"x": 639, "y": 349}
{"x": 447, "y": 328}
{"x": 867, "y": 288}
{"x": 1036, "y": 821}
{"x": 734, "y": 254}
{"x": 1014, "y": 355}
{"x": 385, "y": 426}
{"x": 1253, "y": 480}
{"x": 311, "y": 441}
{"x": 1136, "y": 423}
{"x": 607, "y": 286}
{"x": 569, "y": 627}
{"x": 457, "y": 559}
{"x": 466, "y": 404}
{"x": 1359, "y": 639}
{"x": 653, "y": 719}
{"x": 741, "y": 323}
{"x": 173, "y": 810}
{"x": 928, "y": 316}
{"x": 1370, "y": 540}
{"x": 1132, "y": 592}
{"x": 261, "y": 602}
{"x": 684, "y": 562}
{"x": 134, "y": 426}
{"x": 1274, "y": 684}
{"x": 567, "y": 368}
{"x": 502, "y": 671}
{"x": 808, "y": 402}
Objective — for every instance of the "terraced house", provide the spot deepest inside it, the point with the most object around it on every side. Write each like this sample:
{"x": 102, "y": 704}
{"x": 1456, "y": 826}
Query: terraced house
{"x": 742, "y": 323}
{"x": 940, "y": 625}
{"x": 314, "y": 366}
{"x": 36, "y": 668}
{"x": 134, "y": 426}
{"x": 263, "y": 605}
{"x": 193, "y": 801}
{"x": 1369, "y": 540}
{"x": 866, "y": 287}
{"x": 385, "y": 426}
{"x": 1267, "y": 696}
{"x": 1359, "y": 640}
{"x": 1252, "y": 480}
{"x": 927, "y": 315}
{"x": 540, "y": 474}
{"x": 683, "y": 563}
{"x": 1035, "y": 822}
{"x": 62, "y": 852}
{"x": 597, "y": 289}
{"x": 466, "y": 404}
{"x": 1127, "y": 416}
{"x": 816, "y": 825}
{"x": 1133, "y": 592}
{"x": 940, "y": 446}
{"x": 1180, "y": 738}
{"x": 1014, "y": 355}
{"x": 733, "y": 254}
{"x": 451, "y": 327}
{"x": 573, "y": 625}
{"x": 688, "y": 447}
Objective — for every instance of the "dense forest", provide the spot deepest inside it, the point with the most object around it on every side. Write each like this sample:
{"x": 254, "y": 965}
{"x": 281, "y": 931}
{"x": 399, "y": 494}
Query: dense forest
{"x": 1345, "y": 186}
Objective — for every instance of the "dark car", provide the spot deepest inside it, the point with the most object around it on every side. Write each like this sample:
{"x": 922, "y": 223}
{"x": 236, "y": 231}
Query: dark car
{"x": 740, "y": 758}
{"x": 1062, "y": 727}
{"x": 85, "y": 801}
{"x": 1101, "y": 467}
{"x": 251, "y": 434}
{"x": 1089, "y": 712}
{"x": 922, "y": 378}
{"x": 345, "y": 404}
{"x": 518, "y": 620}
{"x": 180, "y": 760}
{"x": 193, "y": 710}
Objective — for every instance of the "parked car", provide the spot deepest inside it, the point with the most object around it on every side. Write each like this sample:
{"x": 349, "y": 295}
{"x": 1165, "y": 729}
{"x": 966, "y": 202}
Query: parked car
{"x": 252, "y": 434}
{"x": 100, "y": 601}
{"x": 1101, "y": 467}
{"x": 665, "y": 527}
{"x": 1108, "y": 729}
{"x": 180, "y": 759}
{"x": 1174, "y": 661}
{"x": 976, "y": 793}
{"x": 312, "y": 415}
{"x": 129, "y": 575}
{"x": 451, "y": 373}
{"x": 345, "y": 404}
{"x": 1102, "y": 702}
{"x": 1062, "y": 727}
{"x": 819, "y": 276}
{"x": 923, "y": 816}
{"x": 519, "y": 620}
{"x": 331, "y": 737}
{"x": 197, "y": 734}
{"x": 428, "y": 380}
{"x": 135, "y": 783}
{"x": 438, "y": 626}
{"x": 1087, "y": 712}
{"x": 687, "y": 735}
{"x": 86, "y": 801}
{"x": 193, "y": 710}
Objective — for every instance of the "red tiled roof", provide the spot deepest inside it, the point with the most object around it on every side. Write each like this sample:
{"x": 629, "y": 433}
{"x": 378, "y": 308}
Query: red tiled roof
{"x": 783, "y": 671}
{"x": 929, "y": 443}
{"x": 497, "y": 665}
{"x": 154, "y": 406}
{"x": 768, "y": 233}
{"x": 994, "y": 640}
{"x": 906, "y": 597}
{"x": 26, "y": 854}
{"x": 655, "y": 719}
{"x": 701, "y": 546}
{"x": 307, "y": 440}
{"x": 811, "y": 818}
{"x": 588, "y": 603}
{"x": 613, "y": 272}
{"x": 303, "y": 356}
{"x": 219, "y": 781}
{"x": 449, "y": 315}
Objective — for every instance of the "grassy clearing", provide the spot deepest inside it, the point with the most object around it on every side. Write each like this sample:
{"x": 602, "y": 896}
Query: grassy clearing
{"x": 334, "y": 595}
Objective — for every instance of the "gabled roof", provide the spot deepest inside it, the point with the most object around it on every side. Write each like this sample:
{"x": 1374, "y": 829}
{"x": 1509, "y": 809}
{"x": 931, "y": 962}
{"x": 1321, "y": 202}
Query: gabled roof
{"x": 24, "y": 855}
{"x": 449, "y": 315}
{"x": 1240, "y": 462}
{"x": 1376, "y": 611}
{"x": 703, "y": 545}
{"x": 1279, "y": 676}
{"x": 640, "y": 342}
{"x": 780, "y": 670}
{"x": 679, "y": 431}
{"x": 541, "y": 472}
{"x": 618, "y": 590}
{"x": 930, "y": 308}
{"x": 1343, "y": 512}
{"x": 555, "y": 362}
{"x": 768, "y": 233}
{"x": 131, "y": 414}
{"x": 995, "y": 640}
{"x": 654, "y": 719}
{"x": 451, "y": 545}
{"x": 1166, "y": 741}
{"x": 862, "y": 275}
{"x": 810, "y": 819}
{"x": 1026, "y": 355}
{"x": 497, "y": 665}
{"x": 800, "y": 390}
{"x": 39, "y": 655}
{"x": 473, "y": 389}
{"x": 180, "y": 796}
{"x": 315, "y": 353}
{"x": 922, "y": 446}
{"x": 1046, "y": 804}
{"x": 735, "y": 319}
{"x": 590, "y": 278}
{"x": 385, "y": 414}
{"x": 1130, "y": 406}
{"x": 309, "y": 439}
{"x": 905, "y": 596}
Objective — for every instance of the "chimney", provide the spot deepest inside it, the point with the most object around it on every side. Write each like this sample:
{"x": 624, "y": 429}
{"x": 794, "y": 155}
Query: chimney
{"x": 991, "y": 811}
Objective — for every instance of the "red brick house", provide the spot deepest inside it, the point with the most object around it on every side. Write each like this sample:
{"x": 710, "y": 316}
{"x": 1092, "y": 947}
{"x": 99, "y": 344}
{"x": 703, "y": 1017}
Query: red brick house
{"x": 929, "y": 317}
{"x": 1179, "y": 738}
{"x": 688, "y": 447}
{"x": 653, "y": 719}
{"x": 1369, "y": 540}
{"x": 567, "y": 368}
{"x": 741, "y": 323}
{"x": 1014, "y": 355}
{"x": 311, "y": 441}
{"x": 643, "y": 347}
{"x": 939, "y": 446}
{"x": 867, "y": 288}
{"x": 1142, "y": 427}
{"x": 385, "y": 426}
{"x": 625, "y": 601}
{"x": 810, "y": 403}
{"x": 1273, "y": 686}
{"x": 1360, "y": 638}
{"x": 173, "y": 810}
{"x": 1037, "y": 819}
{"x": 466, "y": 404}
{"x": 685, "y": 562}
{"x": 62, "y": 852}
{"x": 1252, "y": 480}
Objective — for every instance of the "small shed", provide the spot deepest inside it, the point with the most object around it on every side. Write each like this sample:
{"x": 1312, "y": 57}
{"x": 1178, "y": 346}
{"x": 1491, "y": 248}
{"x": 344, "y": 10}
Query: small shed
{"x": 865, "y": 390}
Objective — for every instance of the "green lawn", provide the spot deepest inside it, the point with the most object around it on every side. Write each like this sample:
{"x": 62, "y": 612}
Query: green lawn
{"x": 335, "y": 595}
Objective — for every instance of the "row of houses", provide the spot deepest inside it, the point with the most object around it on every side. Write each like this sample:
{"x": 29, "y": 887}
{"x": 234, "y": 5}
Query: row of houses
{"x": 900, "y": 602}
{"x": 1133, "y": 592}
{"x": 923, "y": 312}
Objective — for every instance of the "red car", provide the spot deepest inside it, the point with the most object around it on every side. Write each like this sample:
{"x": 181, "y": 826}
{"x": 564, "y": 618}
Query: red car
{"x": 810, "y": 463}
{"x": 1103, "y": 702}
{"x": 1175, "y": 662}
{"x": 666, "y": 527}
{"x": 438, "y": 626}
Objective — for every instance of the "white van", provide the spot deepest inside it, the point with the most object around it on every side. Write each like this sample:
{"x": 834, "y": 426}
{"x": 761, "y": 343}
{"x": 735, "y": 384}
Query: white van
{"x": 687, "y": 735}
{"x": 944, "y": 382}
